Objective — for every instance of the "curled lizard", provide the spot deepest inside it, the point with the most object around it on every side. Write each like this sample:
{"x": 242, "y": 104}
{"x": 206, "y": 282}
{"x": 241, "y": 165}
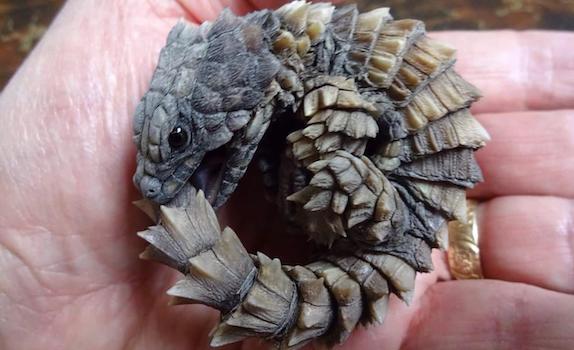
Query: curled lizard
{"x": 363, "y": 132}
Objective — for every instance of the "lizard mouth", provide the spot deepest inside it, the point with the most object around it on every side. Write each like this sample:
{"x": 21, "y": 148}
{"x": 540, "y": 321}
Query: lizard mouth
{"x": 209, "y": 174}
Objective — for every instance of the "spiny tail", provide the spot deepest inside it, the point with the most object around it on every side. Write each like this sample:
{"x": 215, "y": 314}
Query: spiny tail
{"x": 257, "y": 296}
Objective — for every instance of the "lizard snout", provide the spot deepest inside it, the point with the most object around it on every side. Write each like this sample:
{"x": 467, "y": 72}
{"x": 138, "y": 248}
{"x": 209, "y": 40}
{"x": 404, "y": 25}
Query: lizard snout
{"x": 150, "y": 187}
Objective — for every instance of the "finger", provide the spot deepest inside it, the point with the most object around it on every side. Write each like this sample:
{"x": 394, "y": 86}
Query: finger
{"x": 491, "y": 315}
{"x": 516, "y": 70}
{"x": 207, "y": 10}
{"x": 530, "y": 153}
{"x": 528, "y": 239}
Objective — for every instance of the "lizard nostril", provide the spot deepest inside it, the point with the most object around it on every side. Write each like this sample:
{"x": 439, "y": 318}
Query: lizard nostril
{"x": 150, "y": 187}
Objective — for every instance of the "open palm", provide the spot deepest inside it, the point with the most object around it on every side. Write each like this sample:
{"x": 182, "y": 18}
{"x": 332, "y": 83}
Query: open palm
{"x": 69, "y": 273}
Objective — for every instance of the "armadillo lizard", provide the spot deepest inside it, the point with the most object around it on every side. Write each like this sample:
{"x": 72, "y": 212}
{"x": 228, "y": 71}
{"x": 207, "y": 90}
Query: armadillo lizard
{"x": 375, "y": 154}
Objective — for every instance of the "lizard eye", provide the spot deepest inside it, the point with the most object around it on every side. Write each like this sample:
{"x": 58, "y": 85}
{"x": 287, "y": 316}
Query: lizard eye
{"x": 178, "y": 138}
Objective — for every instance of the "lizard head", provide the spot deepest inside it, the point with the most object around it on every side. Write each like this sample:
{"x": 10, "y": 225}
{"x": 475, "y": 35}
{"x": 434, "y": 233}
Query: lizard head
{"x": 205, "y": 110}
{"x": 173, "y": 145}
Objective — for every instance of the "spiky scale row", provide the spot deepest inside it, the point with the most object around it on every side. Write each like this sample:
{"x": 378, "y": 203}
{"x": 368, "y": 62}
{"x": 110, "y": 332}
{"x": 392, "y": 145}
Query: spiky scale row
{"x": 373, "y": 283}
{"x": 352, "y": 191}
{"x": 267, "y": 310}
{"x": 177, "y": 239}
{"x": 353, "y": 79}
{"x": 337, "y": 118}
{"x": 447, "y": 93}
{"x": 225, "y": 261}
{"x": 315, "y": 315}
{"x": 457, "y": 130}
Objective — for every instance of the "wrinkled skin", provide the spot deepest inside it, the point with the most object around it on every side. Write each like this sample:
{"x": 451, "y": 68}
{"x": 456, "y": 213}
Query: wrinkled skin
{"x": 68, "y": 252}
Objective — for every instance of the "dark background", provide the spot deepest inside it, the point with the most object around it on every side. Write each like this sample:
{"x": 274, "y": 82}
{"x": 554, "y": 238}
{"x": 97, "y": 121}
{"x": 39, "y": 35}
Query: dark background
{"x": 22, "y": 22}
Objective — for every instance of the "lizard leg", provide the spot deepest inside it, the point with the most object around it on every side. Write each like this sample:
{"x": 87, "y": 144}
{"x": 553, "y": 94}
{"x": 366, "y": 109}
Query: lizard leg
{"x": 241, "y": 150}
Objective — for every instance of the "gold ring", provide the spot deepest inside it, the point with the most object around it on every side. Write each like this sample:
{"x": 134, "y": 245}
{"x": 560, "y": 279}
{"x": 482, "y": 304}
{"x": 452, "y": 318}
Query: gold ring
{"x": 463, "y": 251}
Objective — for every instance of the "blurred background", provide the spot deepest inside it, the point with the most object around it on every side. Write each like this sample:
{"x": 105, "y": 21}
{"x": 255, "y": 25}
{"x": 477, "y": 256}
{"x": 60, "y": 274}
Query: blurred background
{"x": 22, "y": 22}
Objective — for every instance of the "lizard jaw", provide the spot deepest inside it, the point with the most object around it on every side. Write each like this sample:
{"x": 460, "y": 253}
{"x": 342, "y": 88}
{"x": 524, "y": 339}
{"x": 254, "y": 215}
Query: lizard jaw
{"x": 209, "y": 174}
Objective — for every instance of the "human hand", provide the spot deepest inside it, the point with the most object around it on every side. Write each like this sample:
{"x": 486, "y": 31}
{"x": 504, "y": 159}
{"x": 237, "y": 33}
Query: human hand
{"x": 68, "y": 249}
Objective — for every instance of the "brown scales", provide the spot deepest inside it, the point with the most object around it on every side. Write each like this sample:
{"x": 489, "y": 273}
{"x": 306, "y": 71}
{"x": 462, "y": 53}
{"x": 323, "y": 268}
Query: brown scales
{"x": 380, "y": 161}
